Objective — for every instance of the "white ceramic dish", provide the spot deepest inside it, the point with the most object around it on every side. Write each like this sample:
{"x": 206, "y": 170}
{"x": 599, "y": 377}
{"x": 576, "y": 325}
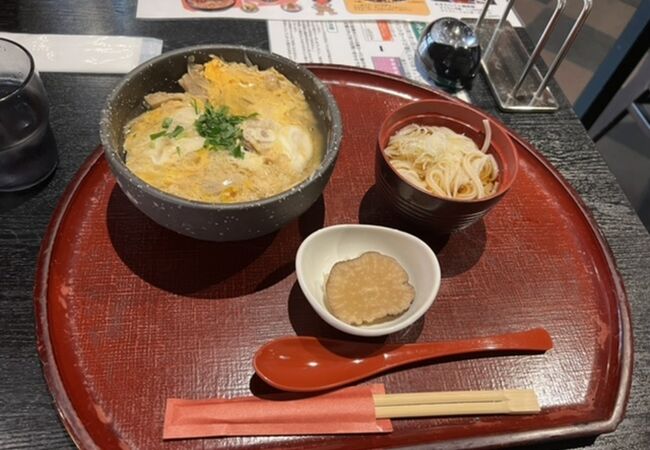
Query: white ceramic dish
{"x": 324, "y": 248}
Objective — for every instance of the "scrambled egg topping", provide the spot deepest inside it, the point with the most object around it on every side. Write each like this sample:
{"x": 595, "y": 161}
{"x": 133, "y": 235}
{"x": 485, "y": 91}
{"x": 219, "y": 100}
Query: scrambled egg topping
{"x": 259, "y": 136}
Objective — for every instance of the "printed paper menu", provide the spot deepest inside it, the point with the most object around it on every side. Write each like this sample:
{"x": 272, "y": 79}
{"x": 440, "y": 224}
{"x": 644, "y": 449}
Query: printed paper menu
{"x": 315, "y": 10}
{"x": 384, "y": 46}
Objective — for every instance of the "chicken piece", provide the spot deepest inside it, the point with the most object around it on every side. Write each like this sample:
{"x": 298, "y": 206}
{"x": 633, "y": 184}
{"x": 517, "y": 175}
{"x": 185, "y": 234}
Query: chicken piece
{"x": 193, "y": 82}
{"x": 367, "y": 289}
{"x": 158, "y": 98}
{"x": 260, "y": 134}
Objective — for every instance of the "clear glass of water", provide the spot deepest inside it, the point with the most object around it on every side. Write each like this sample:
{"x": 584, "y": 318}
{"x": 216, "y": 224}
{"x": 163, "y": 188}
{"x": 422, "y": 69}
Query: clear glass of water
{"x": 28, "y": 152}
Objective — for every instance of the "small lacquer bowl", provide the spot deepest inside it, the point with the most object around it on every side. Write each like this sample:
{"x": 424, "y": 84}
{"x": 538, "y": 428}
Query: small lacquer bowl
{"x": 324, "y": 248}
{"x": 430, "y": 212}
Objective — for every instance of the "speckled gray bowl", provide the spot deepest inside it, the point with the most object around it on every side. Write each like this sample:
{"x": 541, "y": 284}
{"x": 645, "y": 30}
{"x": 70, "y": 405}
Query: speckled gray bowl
{"x": 213, "y": 221}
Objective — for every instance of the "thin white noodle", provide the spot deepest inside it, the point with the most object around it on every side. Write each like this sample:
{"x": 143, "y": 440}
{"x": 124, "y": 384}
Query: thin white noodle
{"x": 488, "y": 136}
{"x": 443, "y": 162}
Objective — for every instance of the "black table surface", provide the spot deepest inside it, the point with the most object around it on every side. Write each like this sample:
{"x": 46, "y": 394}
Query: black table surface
{"x": 28, "y": 418}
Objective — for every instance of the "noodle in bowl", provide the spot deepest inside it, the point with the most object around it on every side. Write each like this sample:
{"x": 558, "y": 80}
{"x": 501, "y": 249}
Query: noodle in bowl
{"x": 443, "y": 164}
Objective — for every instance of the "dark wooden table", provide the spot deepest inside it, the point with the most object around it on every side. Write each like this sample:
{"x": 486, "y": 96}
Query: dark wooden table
{"x": 27, "y": 416}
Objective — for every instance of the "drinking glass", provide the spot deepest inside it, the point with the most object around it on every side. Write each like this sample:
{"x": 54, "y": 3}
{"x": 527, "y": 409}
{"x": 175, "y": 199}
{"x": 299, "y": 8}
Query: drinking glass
{"x": 28, "y": 152}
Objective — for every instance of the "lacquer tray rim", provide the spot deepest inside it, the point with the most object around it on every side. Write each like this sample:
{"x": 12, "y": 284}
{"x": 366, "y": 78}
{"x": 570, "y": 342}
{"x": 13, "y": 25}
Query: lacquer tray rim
{"x": 82, "y": 438}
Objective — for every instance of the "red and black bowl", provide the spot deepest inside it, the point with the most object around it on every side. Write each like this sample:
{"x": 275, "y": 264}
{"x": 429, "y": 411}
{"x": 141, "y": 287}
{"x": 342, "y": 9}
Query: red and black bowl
{"x": 440, "y": 214}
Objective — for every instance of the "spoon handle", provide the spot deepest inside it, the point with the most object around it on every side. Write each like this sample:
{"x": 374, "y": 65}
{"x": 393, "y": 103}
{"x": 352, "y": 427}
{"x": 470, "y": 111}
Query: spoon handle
{"x": 535, "y": 340}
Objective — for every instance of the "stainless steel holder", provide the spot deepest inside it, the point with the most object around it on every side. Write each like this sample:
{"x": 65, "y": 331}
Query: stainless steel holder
{"x": 514, "y": 79}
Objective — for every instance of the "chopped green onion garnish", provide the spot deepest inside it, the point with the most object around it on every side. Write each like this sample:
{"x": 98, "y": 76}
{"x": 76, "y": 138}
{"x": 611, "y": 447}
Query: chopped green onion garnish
{"x": 157, "y": 135}
{"x": 238, "y": 152}
{"x": 221, "y": 130}
{"x": 178, "y": 130}
{"x": 167, "y": 122}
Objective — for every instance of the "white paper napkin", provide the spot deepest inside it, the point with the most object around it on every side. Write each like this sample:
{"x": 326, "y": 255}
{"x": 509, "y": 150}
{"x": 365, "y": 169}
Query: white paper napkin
{"x": 86, "y": 53}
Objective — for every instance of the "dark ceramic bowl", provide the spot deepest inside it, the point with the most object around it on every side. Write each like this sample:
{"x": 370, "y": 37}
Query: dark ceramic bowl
{"x": 214, "y": 221}
{"x": 439, "y": 214}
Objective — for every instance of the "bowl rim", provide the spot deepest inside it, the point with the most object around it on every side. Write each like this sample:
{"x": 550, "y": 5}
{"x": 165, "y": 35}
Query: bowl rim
{"x": 378, "y": 330}
{"x": 329, "y": 157}
{"x": 27, "y": 78}
{"x": 494, "y": 123}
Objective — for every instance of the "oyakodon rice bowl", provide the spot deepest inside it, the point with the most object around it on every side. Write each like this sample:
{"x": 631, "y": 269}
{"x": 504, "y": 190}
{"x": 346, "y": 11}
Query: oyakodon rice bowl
{"x": 218, "y": 219}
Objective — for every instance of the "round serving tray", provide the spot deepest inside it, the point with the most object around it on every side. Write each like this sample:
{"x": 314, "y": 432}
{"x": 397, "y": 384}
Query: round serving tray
{"x": 129, "y": 313}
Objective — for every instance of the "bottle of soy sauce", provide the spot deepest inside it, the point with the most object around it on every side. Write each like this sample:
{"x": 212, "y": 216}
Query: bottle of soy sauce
{"x": 450, "y": 52}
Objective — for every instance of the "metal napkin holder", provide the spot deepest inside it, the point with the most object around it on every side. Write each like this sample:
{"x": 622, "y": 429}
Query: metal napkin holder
{"x": 514, "y": 79}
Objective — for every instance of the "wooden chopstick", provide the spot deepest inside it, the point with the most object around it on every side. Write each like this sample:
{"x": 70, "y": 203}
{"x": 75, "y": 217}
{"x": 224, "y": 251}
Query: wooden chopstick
{"x": 422, "y": 404}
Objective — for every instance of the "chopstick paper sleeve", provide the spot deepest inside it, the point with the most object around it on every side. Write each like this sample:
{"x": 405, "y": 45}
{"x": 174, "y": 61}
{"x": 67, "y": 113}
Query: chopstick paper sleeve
{"x": 349, "y": 410}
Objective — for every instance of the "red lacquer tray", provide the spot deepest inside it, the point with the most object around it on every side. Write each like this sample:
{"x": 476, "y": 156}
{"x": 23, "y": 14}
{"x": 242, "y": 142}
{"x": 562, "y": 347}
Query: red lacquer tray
{"x": 129, "y": 314}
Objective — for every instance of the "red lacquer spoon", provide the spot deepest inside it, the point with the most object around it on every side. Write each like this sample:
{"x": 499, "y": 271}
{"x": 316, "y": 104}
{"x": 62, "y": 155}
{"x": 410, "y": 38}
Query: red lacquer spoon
{"x": 304, "y": 364}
